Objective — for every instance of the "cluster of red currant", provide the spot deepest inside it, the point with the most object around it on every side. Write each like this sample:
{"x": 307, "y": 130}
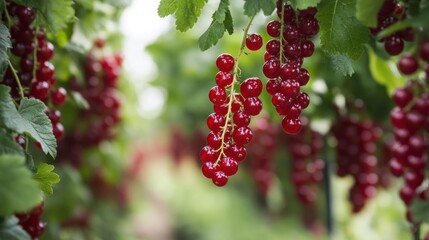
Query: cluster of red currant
{"x": 410, "y": 119}
{"x": 390, "y": 13}
{"x": 30, "y": 221}
{"x": 284, "y": 59}
{"x": 103, "y": 114}
{"x": 229, "y": 122}
{"x": 36, "y": 76}
{"x": 262, "y": 151}
{"x": 307, "y": 167}
{"x": 356, "y": 153}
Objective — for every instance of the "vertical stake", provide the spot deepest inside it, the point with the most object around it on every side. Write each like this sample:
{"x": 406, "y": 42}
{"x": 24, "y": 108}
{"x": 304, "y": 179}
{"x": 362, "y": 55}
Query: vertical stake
{"x": 327, "y": 187}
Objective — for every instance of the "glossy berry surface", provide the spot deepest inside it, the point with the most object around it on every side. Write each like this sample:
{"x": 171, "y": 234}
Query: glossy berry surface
{"x": 254, "y": 42}
{"x": 225, "y": 62}
{"x": 408, "y": 64}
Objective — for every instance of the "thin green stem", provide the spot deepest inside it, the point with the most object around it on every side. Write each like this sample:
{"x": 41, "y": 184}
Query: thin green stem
{"x": 416, "y": 232}
{"x": 282, "y": 25}
{"x": 21, "y": 91}
{"x": 6, "y": 13}
{"x": 236, "y": 72}
{"x": 35, "y": 53}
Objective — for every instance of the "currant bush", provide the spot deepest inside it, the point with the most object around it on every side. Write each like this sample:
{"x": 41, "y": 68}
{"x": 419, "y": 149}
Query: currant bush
{"x": 35, "y": 76}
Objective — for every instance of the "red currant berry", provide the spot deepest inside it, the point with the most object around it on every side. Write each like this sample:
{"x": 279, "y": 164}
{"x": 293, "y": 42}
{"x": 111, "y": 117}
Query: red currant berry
{"x": 225, "y": 62}
{"x": 217, "y": 94}
{"x": 272, "y": 86}
{"x": 242, "y": 135}
{"x": 307, "y": 48}
{"x": 45, "y": 51}
{"x": 291, "y": 34}
{"x": 207, "y": 154}
{"x": 289, "y": 88}
{"x": 99, "y": 43}
{"x": 214, "y": 140}
{"x": 251, "y": 87}
{"x": 408, "y": 64}
{"x": 25, "y": 15}
{"x": 273, "y": 28}
{"x": 289, "y": 71}
{"x": 309, "y": 26}
{"x": 58, "y": 97}
{"x": 394, "y": 45}
{"x": 424, "y": 50}
{"x": 220, "y": 108}
{"x": 215, "y": 122}
{"x": 237, "y": 152}
{"x": 39, "y": 89}
{"x": 241, "y": 119}
{"x": 224, "y": 79}
{"x": 209, "y": 169}
{"x": 271, "y": 68}
{"x": 303, "y": 77}
{"x": 291, "y": 126}
{"x": 254, "y": 42}
{"x": 58, "y": 130}
{"x": 252, "y": 106}
{"x": 273, "y": 47}
{"x": 219, "y": 178}
{"x": 402, "y": 97}
{"x": 229, "y": 166}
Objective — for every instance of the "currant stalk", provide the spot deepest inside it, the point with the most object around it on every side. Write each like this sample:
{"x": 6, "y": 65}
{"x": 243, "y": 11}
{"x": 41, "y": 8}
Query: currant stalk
{"x": 229, "y": 122}
{"x": 236, "y": 73}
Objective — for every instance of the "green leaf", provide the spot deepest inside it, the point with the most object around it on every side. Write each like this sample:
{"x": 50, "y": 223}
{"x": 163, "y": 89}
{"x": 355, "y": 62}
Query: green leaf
{"x": 419, "y": 21}
{"x": 46, "y": 177}
{"x": 307, "y": 4}
{"x": 229, "y": 25}
{"x": 252, "y": 7}
{"x": 29, "y": 118}
{"x": 222, "y": 21}
{"x": 420, "y": 210}
{"x": 211, "y": 36}
{"x": 342, "y": 64}
{"x": 385, "y": 72}
{"x": 11, "y": 230}
{"x": 79, "y": 100}
{"x": 167, "y": 7}
{"x": 367, "y": 11}
{"x": 2, "y": 6}
{"x": 340, "y": 31}
{"x": 52, "y": 14}
{"x": 5, "y": 43}
{"x": 19, "y": 192}
{"x": 185, "y": 11}
{"x": 8, "y": 146}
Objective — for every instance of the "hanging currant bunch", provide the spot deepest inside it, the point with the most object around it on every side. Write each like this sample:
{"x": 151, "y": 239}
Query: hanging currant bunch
{"x": 306, "y": 165}
{"x": 233, "y": 109}
{"x": 262, "y": 153}
{"x": 283, "y": 62}
{"x": 100, "y": 89}
{"x": 410, "y": 119}
{"x": 356, "y": 139}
